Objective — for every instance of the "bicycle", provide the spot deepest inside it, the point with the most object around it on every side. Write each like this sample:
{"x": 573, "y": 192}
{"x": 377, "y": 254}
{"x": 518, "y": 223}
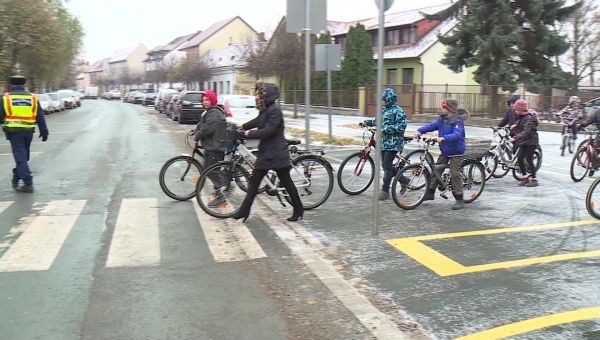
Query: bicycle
{"x": 311, "y": 173}
{"x": 568, "y": 134}
{"x": 592, "y": 200}
{"x": 179, "y": 175}
{"x": 360, "y": 166}
{"x": 583, "y": 157}
{"x": 504, "y": 158}
{"x": 411, "y": 194}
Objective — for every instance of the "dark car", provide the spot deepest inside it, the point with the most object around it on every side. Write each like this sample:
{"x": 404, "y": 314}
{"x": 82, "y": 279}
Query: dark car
{"x": 138, "y": 97}
{"x": 189, "y": 107}
{"x": 165, "y": 101}
{"x": 149, "y": 99}
{"x": 128, "y": 98}
{"x": 170, "y": 105}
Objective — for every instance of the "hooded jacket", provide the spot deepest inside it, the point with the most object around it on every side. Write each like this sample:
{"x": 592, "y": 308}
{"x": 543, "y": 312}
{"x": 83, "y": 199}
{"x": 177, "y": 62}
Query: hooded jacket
{"x": 453, "y": 131}
{"x": 211, "y": 129}
{"x": 526, "y": 130}
{"x": 269, "y": 129}
{"x": 393, "y": 124}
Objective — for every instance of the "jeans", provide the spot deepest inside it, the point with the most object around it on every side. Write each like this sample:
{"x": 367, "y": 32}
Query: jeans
{"x": 526, "y": 153}
{"x": 20, "y": 144}
{"x": 210, "y": 158}
{"x": 389, "y": 171}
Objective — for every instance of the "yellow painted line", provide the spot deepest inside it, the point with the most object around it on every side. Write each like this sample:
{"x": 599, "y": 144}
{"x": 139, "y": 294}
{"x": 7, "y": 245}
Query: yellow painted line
{"x": 530, "y": 325}
{"x": 444, "y": 266}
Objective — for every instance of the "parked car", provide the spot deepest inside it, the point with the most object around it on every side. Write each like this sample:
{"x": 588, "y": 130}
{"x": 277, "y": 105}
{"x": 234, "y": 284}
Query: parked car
{"x": 130, "y": 96}
{"x": 149, "y": 99}
{"x": 591, "y": 106}
{"x": 114, "y": 95}
{"x": 77, "y": 98}
{"x": 159, "y": 102}
{"x": 68, "y": 98}
{"x": 138, "y": 97}
{"x": 46, "y": 103}
{"x": 166, "y": 101}
{"x": 189, "y": 107}
{"x": 171, "y": 102}
{"x": 57, "y": 103}
{"x": 239, "y": 108}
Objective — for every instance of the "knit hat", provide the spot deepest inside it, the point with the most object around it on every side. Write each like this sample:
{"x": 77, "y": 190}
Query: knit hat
{"x": 17, "y": 80}
{"x": 521, "y": 105}
{"x": 212, "y": 95}
{"x": 450, "y": 104}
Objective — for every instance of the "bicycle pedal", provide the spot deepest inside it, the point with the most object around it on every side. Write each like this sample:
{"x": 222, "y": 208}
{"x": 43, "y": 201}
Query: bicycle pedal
{"x": 444, "y": 196}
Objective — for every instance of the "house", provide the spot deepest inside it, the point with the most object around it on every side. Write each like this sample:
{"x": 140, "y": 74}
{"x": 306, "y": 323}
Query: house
{"x": 220, "y": 35}
{"x": 126, "y": 65}
{"x": 227, "y": 65}
{"x": 412, "y": 54}
{"x": 97, "y": 72}
{"x": 167, "y": 54}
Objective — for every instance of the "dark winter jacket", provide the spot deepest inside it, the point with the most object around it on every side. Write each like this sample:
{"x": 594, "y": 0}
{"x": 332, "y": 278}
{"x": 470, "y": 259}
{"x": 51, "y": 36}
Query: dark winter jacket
{"x": 453, "y": 131}
{"x": 594, "y": 118}
{"x": 509, "y": 118}
{"x": 526, "y": 130}
{"x": 211, "y": 130}
{"x": 394, "y": 122}
{"x": 272, "y": 149}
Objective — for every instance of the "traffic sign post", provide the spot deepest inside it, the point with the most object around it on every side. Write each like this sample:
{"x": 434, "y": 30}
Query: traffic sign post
{"x": 328, "y": 57}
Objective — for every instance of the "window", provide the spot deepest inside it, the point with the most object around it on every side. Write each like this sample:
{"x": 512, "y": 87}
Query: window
{"x": 214, "y": 87}
{"x": 341, "y": 41}
{"x": 220, "y": 87}
{"x": 392, "y": 76}
{"x": 228, "y": 90}
{"x": 393, "y": 37}
{"x": 407, "y": 79}
{"x": 400, "y": 36}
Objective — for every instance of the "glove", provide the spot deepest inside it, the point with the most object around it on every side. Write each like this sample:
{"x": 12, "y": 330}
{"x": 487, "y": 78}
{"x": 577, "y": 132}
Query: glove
{"x": 44, "y": 137}
{"x": 241, "y": 134}
{"x": 361, "y": 124}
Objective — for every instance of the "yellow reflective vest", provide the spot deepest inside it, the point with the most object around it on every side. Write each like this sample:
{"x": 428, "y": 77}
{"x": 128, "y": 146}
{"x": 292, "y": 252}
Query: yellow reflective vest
{"x": 20, "y": 110}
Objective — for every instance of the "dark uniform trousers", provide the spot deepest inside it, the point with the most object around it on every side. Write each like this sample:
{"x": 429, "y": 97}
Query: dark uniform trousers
{"x": 20, "y": 143}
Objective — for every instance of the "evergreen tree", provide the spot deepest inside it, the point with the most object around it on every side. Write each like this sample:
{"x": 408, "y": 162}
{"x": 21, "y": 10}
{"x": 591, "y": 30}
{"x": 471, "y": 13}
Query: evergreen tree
{"x": 358, "y": 65}
{"x": 510, "y": 41}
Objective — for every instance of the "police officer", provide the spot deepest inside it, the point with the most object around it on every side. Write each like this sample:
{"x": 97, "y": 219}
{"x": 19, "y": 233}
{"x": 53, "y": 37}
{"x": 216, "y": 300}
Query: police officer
{"x": 19, "y": 113}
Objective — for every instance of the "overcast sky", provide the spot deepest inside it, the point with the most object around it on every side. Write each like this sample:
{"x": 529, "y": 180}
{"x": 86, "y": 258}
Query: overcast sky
{"x": 113, "y": 24}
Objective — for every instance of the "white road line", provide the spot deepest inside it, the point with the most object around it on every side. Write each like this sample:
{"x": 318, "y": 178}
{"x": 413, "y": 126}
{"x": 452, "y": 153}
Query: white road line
{"x": 228, "y": 241}
{"x": 31, "y": 153}
{"x": 307, "y": 247}
{"x": 135, "y": 241}
{"x": 38, "y": 246}
{"x": 5, "y": 205}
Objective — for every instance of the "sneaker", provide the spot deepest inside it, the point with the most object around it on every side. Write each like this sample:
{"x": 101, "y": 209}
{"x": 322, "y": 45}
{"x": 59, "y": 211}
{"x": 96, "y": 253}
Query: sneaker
{"x": 218, "y": 201}
{"x": 532, "y": 183}
{"x": 592, "y": 172}
{"x": 459, "y": 204}
{"x": 524, "y": 181}
{"x": 26, "y": 188}
{"x": 384, "y": 196}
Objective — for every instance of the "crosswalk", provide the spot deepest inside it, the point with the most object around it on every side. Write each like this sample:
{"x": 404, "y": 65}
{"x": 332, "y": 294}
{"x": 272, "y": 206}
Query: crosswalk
{"x": 135, "y": 240}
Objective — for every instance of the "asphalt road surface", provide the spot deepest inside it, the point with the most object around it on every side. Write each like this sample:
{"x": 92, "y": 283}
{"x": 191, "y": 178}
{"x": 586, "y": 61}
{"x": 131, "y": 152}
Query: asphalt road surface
{"x": 99, "y": 252}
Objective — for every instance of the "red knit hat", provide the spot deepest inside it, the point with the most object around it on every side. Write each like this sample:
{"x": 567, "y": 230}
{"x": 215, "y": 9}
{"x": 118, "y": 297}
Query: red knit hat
{"x": 521, "y": 105}
{"x": 212, "y": 95}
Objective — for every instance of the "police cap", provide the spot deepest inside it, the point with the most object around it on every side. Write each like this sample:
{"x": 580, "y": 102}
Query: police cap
{"x": 17, "y": 80}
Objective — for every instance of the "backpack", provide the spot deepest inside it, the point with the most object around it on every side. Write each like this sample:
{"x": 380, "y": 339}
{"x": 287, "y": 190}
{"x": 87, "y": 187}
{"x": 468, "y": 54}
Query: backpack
{"x": 536, "y": 119}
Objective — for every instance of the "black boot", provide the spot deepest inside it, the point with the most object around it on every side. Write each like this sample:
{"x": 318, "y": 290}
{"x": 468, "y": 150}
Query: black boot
{"x": 429, "y": 195}
{"x": 459, "y": 204}
{"x": 298, "y": 209}
{"x": 15, "y": 184}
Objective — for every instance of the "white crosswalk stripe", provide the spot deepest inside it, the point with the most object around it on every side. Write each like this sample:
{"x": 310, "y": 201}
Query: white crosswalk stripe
{"x": 135, "y": 241}
{"x": 228, "y": 241}
{"x": 37, "y": 247}
{"x": 5, "y": 205}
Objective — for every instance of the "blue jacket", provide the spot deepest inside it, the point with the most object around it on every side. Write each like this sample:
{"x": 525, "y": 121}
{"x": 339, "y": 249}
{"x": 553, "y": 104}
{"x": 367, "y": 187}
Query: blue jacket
{"x": 40, "y": 119}
{"x": 394, "y": 122}
{"x": 453, "y": 131}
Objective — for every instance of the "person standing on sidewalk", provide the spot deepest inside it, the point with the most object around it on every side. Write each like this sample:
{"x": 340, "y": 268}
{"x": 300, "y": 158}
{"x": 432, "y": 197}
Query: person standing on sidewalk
{"x": 210, "y": 132}
{"x": 451, "y": 138}
{"x": 525, "y": 136}
{"x": 393, "y": 127}
{"x": 19, "y": 113}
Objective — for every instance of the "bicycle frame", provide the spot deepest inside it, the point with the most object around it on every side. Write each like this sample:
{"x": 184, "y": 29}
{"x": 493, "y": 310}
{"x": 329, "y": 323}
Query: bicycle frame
{"x": 372, "y": 144}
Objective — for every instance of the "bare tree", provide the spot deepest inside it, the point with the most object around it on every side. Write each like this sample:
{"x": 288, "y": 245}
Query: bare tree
{"x": 193, "y": 70}
{"x": 256, "y": 63}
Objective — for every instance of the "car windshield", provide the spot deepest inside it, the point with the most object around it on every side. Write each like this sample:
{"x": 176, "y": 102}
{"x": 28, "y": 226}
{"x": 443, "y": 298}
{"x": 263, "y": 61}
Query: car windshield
{"x": 65, "y": 94}
{"x": 193, "y": 97}
{"x": 43, "y": 98}
{"x": 241, "y": 102}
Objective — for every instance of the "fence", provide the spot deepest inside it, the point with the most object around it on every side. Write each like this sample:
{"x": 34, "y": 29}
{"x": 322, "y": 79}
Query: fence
{"x": 339, "y": 98}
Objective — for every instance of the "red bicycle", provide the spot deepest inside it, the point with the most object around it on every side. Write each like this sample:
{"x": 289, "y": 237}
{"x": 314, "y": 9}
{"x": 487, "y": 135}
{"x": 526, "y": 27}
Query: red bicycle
{"x": 585, "y": 158}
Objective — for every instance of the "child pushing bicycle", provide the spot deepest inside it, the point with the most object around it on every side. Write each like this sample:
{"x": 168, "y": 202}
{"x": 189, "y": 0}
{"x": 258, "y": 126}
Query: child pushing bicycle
{"x": 451, "y": 138}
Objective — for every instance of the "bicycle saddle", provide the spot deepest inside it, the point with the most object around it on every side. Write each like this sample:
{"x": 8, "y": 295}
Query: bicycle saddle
{"x": 293, "y": 141}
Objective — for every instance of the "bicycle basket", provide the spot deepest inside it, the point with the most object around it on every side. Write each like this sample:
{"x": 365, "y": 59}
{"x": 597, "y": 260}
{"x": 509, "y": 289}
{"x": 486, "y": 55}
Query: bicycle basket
{"x": 477, "y": 149}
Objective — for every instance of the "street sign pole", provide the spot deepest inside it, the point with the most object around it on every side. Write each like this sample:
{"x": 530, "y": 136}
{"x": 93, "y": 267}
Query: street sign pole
{"x": 307, "y": 30}
{"x": 329, "y": 66}
{"x": 383, "y": 6}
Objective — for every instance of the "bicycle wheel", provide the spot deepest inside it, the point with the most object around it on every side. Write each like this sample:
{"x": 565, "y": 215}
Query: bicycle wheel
{"x": 490, "y": 163}
{"x": 356, "y": 173}
{"x": 537, "y": 158}
{"x": 563, "y": 145}
{"x": 412, "y": 157}
{"x": 571, "y": 143}
{"x": 218, "y": 192}
{"x": 410, "y": 195}
{"x": 178, "y": 177}
{"x": 537, "y": 161}
{"x": 473, "y": 176}
{"x": 592, "y": 199}
{"x": 313, "y": 177}
{"x": 580, "y": 164}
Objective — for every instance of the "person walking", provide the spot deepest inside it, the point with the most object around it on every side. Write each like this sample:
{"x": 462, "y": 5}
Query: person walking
{"x": 19, "y": 114}
{"x": 451, "y": 138}
{"x": 210, "y": 132}
{"x": 393, "y": 127}
{"x": 525, "y": 136}
{"x": 273, "y": 152}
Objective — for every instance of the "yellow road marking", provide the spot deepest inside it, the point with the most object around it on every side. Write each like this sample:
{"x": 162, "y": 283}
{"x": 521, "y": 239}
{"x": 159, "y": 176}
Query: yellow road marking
{"x": 527, "y": 326}
{"x": 444, "y": 266}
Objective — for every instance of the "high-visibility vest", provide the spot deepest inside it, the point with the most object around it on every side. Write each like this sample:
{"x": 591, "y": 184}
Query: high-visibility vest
{"x": 20, "y": 110}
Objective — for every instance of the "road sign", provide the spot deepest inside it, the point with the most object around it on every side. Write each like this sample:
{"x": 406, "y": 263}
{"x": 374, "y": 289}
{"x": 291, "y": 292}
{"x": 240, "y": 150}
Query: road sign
{"x": 387, "y": 4}
{"x": 328, "y": 56}
{"x": 296, "y": 15}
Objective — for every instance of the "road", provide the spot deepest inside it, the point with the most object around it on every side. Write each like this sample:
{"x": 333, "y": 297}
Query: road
{"x": 99, "y": 252}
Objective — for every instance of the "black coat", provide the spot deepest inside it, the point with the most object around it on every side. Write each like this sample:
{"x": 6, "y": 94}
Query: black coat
{"x": 526, "y": 131}
{"x": 269, "y": 129}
